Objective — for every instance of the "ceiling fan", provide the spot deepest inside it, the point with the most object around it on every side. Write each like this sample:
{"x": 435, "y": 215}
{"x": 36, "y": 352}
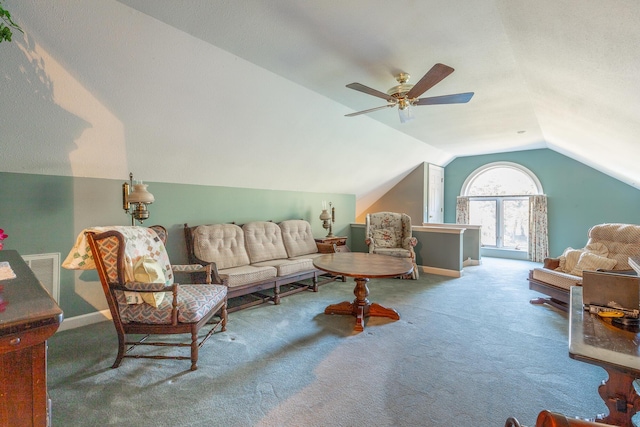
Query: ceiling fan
{"x": 405, "y": 95}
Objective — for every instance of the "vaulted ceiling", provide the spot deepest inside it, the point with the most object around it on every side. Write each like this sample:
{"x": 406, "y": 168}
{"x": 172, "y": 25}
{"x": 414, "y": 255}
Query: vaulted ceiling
{"x": 558, "y": 74}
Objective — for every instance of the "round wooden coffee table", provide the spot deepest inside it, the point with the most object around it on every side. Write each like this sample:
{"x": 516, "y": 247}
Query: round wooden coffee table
{"x": 362, "y": 267}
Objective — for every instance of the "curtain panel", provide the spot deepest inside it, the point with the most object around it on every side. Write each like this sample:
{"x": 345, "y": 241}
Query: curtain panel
{"x": 462, "y": 210}
{"x": 538, "y": 229}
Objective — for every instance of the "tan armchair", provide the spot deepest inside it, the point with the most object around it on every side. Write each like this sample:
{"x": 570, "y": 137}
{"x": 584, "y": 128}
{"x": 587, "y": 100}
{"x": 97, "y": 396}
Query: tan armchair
{"x": 138, "y": 282}
{"x": 608, "y": 247}
{"x": 389, "y": 233}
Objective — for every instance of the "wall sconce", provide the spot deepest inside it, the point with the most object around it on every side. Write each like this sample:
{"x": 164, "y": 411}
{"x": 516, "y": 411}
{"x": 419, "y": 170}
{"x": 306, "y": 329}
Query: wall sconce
{"x": 328, "y": 218}
{"x": 135, "y": 199}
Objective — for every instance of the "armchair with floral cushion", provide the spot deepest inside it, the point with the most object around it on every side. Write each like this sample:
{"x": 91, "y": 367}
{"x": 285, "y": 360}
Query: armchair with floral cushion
{"x": 389, "y": 233}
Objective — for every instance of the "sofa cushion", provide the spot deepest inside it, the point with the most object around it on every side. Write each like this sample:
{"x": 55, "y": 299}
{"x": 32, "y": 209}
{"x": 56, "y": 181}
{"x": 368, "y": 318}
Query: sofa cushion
{"x": 220, "y": 243}
{"x": 286, "y": 267}
{"x": 238, "y": 276}
{"x": 263, "y": 241}
{"x": 589, "y": 261}
{"x": 556, "y": 278}
{"x": 298, "y": 238}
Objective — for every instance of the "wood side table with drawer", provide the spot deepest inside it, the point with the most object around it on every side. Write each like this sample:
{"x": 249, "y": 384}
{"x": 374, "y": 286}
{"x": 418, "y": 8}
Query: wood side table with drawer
{"x": 28, "y": 317}
{"x": 340, "y": 242}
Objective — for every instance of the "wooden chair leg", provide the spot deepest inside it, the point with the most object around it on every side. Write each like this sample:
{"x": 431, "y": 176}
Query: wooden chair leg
{"x": 224, "y": 317}
{"x": 122, "y": 347}
{"x": 194, "y": 349}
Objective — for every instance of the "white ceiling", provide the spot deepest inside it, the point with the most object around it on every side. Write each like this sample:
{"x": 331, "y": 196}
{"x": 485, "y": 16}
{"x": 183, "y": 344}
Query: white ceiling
{"x": 251, "y": 93}
{"x": 561, "y": 74}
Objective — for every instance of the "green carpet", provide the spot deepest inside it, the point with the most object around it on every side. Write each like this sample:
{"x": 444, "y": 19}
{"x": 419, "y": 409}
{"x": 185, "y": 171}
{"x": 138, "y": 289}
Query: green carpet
{"x": 470, "y": 351}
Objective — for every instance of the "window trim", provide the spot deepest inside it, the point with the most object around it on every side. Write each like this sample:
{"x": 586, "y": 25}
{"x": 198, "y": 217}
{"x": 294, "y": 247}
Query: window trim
{"x": 491, "y": 250}
{"x": 473, "y": 175}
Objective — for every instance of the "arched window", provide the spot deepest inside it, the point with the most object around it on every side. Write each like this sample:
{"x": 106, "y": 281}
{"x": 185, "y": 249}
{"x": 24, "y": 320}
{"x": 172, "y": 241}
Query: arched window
{"x": 498, "y": 197}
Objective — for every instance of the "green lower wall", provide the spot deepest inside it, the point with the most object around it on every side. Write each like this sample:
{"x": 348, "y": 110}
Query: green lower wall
{"x": 44, "y": 214}
{"x": 578, "y": 196}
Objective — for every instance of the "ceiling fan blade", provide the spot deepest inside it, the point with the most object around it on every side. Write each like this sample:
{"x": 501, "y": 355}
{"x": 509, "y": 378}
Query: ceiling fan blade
{"x": 434, "y": 76}
{"x": 369, "y": 110}
{"x": 458, "y": 98}
{"x": 366, "y": 89}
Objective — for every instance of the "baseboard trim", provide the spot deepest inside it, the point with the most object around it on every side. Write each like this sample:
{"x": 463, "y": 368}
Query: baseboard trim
{"x": 471, "y": 262}
{"x": 441, "y": 271}
{"x": 84, "y": 320}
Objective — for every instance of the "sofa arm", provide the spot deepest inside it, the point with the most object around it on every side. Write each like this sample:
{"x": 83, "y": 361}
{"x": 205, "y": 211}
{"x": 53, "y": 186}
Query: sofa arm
{"x": 551, "y": 263}
{"x": 210, "y": 271}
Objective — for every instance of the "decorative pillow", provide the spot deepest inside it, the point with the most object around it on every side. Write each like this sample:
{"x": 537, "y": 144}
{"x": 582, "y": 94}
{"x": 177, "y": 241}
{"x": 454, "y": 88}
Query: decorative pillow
{"x": 589, "y": 261}
{"x": 597, "y": 248}
{"x": 571, "y": 258}
{"x": 386, "y": 238}
{"x": 147, "y": 270}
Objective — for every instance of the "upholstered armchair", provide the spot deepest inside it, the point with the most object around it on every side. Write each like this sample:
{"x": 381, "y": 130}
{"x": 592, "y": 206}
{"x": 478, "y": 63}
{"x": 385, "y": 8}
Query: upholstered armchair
{"x": 389, "y": 233}
{"x": 138, "y": 282}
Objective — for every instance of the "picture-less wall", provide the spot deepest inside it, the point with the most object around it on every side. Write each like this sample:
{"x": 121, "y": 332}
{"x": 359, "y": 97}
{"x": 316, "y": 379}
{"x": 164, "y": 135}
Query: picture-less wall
{"x": 578, "y": 195}
{"x": 44, "y": 214}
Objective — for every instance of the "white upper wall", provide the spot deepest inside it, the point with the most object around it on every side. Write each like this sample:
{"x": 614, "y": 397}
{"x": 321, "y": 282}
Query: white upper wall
{"x": 252, "y": 93}
{"x": 101, "y": 90}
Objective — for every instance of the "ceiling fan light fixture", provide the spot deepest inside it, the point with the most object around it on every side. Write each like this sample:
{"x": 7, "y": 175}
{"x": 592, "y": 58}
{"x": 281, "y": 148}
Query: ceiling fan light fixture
{"x": 406, "y": 115}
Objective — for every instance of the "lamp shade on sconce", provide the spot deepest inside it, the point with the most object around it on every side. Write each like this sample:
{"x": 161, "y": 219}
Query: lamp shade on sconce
{"x": 140, "y": 194}
{"x": 135, "y": 199}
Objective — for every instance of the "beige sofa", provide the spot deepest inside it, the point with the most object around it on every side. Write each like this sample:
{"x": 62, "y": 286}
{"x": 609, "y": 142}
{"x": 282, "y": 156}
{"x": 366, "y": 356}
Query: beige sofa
{"x": 608, "y": 247}
{"x": 258, "y": 256}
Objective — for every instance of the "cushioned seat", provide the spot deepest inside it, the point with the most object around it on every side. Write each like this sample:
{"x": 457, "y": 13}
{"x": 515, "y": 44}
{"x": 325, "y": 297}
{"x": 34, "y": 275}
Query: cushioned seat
{"x": 194, "y": 303}
{"x": 608, "y": 247}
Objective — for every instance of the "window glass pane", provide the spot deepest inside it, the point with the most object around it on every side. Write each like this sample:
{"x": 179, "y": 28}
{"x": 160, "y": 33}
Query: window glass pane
{"x": 516, "y": 224}
{"x": 483, "y": 212}
{"x": 502, "y": 181}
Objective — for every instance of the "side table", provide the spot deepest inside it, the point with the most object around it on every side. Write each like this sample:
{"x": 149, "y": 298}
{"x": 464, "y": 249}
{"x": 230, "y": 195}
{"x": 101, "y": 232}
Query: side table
{"x": 29, "y": 316}
{"x": 340, "y": 242}
{"x": 599, "y": 342}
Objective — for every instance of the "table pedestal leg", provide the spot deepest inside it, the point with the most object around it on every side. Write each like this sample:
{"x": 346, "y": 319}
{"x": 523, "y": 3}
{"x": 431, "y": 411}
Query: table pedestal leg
{"x": 361, "y": 307}
{"x": 620, "y": 397}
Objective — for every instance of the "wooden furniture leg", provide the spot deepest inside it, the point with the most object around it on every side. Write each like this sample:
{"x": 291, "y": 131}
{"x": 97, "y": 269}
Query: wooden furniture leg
{"x": 361, "y": 307}
{"x": 620, "y": 397}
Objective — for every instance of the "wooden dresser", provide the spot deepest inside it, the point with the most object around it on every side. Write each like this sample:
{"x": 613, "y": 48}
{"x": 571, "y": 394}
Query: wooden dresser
{"x": 28, "y": 317}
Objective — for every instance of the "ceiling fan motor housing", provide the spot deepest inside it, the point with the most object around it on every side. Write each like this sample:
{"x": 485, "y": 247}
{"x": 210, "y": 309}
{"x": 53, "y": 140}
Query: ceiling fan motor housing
{"x": 400, "y": 90}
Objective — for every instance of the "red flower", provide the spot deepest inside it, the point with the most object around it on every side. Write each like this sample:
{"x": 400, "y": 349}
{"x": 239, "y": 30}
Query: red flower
{"x": 2, "y": 235}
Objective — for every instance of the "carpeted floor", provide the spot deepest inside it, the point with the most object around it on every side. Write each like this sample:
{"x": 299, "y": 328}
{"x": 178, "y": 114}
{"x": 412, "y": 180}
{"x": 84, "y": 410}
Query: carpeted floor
{"x": 470, "y": 351}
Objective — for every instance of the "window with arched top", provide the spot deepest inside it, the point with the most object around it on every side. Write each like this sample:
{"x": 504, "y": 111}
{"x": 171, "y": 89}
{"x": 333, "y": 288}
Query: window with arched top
{"x": 498, "y": 196}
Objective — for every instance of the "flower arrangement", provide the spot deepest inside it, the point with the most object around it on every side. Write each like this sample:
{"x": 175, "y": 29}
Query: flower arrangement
{"x": 2, "y": 237}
